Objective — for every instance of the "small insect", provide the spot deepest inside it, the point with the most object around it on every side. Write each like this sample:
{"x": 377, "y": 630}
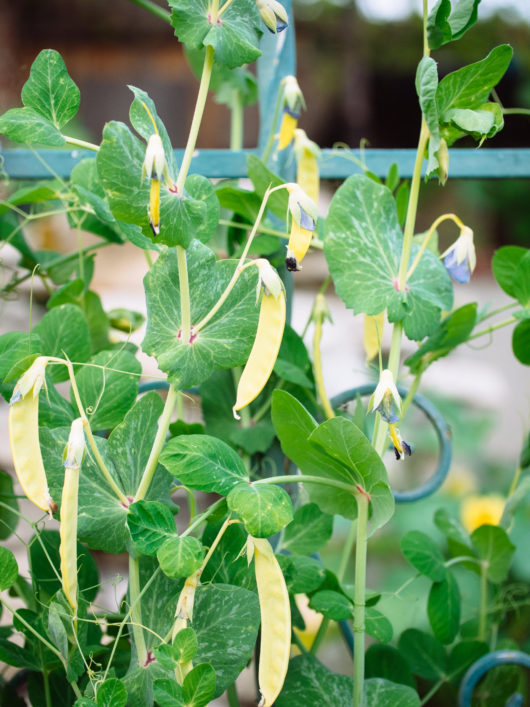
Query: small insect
{"x": 275, "y": 645}
{"x": 23, "y": 422}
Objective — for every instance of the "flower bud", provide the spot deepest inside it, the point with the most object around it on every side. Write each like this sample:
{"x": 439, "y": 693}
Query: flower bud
{"x": 273, "y": 14}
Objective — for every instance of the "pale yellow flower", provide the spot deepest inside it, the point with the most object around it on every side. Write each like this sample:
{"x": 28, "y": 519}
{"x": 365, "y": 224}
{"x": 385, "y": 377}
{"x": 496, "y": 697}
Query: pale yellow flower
{"x": 481, "y": 510}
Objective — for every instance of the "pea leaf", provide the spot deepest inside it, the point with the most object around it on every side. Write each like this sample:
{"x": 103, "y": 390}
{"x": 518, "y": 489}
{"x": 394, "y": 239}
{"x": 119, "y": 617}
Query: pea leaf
{"x": 199, "y": 685}
{"x": 388, "y": 694}
{"x": 64, "y": 331}
{"x": 521, "y": 342}
{"x": 15, "y": 346}
{"x": 521, "y": 281}
{"x": 228, "y": 564}
{"x": 226, "y": 620}
{"x": 293, "y": 426}
{"x": 141, "y": 122}
{"x": 495, "y": 548}
{"x": 308, "y": 682}
{"x": 458, "y": 539}
{"x": 451, "y": 332}
{"x": 463, "y": 655}
{"x": 446, "y": 23}
{"x": 377, "y": 625}
{"x": 108, "y": 387}
{"x": 443, "y": 609}
{"x": 262, "y": 178}
{"x": 204, "y": 463}
{"x": 303, "y": 575}
{"x": 180, "y": 557}
{"x": 309, "y": 530}
{"x": 158, "y": 601}
{"x": 264, "y": 508}
{"x": 185, "y": 645}
{"x": 331, "y": 605}
{"x": 424, "y": 555}
{"x": 363, "y": 247}
{"x": 504, "y": 264}
{"x": 383, "y": 661}
{"x": 234, "y": 36}
{"x": 426, "y": 85}
{"x": 236, "y": 321}
{"x": 8, "y": 568}
{"x": 49, "y": 89}
{"x": 360, "y": 464}
{"x": 28, "y": 126}
{"x": 112, "y": 693}
{"x": 150, "y": 524}
{"x": 8, "y": 518}
{"x": 424, "y": 654}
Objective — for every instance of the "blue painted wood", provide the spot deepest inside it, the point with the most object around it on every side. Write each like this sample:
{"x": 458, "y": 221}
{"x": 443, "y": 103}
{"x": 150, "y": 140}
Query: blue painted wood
{"x": 464, "y": 163}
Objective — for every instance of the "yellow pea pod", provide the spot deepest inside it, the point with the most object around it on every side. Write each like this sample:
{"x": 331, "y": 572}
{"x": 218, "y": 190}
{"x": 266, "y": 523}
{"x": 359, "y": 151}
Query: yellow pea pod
{"x": 154, "y": 206}
{"x": 373, "y": 334}
{"x": 23, "y": 422}
{"x": 299, "y": 242}
{"x": 287, "y": 128}
{"x": 264, "y": 351}
{"x": 275, "y": 646}
{"x": 307, "y": 175}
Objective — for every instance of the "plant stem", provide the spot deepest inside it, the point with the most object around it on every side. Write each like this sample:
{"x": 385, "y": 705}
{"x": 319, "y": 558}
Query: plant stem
{"x": 92, "y": 442}
{"x": 303, "y": 478}
{"x": 152, "y": 462}
{"x": 81, "y": 143}
{"x": 236, "y": 120}
{"x": 320, "y": 312}
{"x": 136, "y": 610}
{"x": 437, "y": 222}
{"x": 412, "y": 392}
{"x": 154, "y": 9}
{"x": 197, "y": 118}
{"x": 184, "y": 286}
{"x": 231, "y": 695}
{"x": 483, "y": 602}
{"x": 493, "y": 327}
{"x": 363, "y": 502}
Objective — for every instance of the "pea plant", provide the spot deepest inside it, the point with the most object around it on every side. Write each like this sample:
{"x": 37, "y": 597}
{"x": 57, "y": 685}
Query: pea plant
{"x": 223, "y": 580}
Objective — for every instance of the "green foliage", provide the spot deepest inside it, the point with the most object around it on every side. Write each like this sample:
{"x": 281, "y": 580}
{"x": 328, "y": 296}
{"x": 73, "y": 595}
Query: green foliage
{"x": 180, "y": 557}
{"x": 264, "y": 509}
{"x": 150, "y": 524}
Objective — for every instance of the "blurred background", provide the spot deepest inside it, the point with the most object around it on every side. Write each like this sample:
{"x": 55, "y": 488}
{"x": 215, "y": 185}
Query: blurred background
{"x": 356, "y": 66}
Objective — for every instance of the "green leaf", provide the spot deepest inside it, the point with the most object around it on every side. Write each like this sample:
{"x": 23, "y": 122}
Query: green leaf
{"x": 308, "y": 682}
{"x": 332, "y": 605}
{"x": 463, "y": 655}
{"x": 139, "y": 682}
{"x": 199, "y": 685}
{"x": 344, "y": 442}
{"x": 168, "y": 693}
{"x": 426, "y": 85}
{"x": 180, "y": 557}
{"x": 443, "y": 609}
{"x": 424, "y": 555}
{"x": 8, "y": 518}
{"x": 363, "y": 248}
{"x": 257, "y": 438}
{"x": 228, "y": 563}
{"x": 45, "y": 564}
{"x": 204, "y": 463}
{"x": 240, "y": 201}
{"x": 18, "y": 657}
{"x": 470, "y": 86}
{"x": 377, "y": 625}
{"x": 457, "y": 537}
{"x": 28, "y": 126}
{"x": 383, "y": 661}
{"x": 293, "y": 426}
{"x": 495, "y": 549}
{"x": 309, "y": 530}
{"x": 142, "y": 123}
{"x": 521, "y": 281}
{"x": 8, "y": 569}
{"x": 262, "y": 178}
{"x": 158, "y": 600}
{"x": 15, "y": 346}
{"x": 64, "y": 331}
{"x": 424, "y": 654}
{"x": 226, "y": 620}
{"x": 451, "y": 332}
{"x": 504, "y": 264}
{"x": 49, "y": 89}
{"x": 108, "y": 387}
{"x": 224, "y": 342}
{"x": 150, "y": 524}
{"x": 234, "y": 36}
{"x": 521, "y": 342}
{"x": 303, "y": 575}
{"x": 264, "y": 508}
{"x": 445, "y": 24}
{"x": 56, "y": 629}
{"x": 384, "y": 693}
{"x": 185, "y": 645}
{"x": 112, "y": 693}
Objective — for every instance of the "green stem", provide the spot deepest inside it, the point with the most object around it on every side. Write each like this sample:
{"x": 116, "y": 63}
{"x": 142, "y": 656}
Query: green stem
{"x": 412, "y": 392}
{"x": 363, "y": 502}
{"x": 30, "y": 628}
{"x": 494, "y": 312}
{"x": 184, "y": 287}
{"x": 315, "y": 243}
{"x": 482, "y": 625}
{"x": 231, "y": 695}
{"x": 516, "y": 111}
{"x": 432, "y": 229}
{"x": 152, "y": 462}
{"x": 92, "y": 442}
{"x": 45, "y": 680}
{"x": 236, "y": 120}
{"x": 493, "y": 327}
{"x": 197, "y": 118}
{"x": 303, "y": 478}
{"x": 202, "y": 517}
{"x": 81, "y": 143}
{"x": 154, "y": 9}
{"x": 136, "y": 610}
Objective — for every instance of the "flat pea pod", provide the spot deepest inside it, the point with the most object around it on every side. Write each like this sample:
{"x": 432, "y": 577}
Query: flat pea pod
{"x": 23, "y": 422}
{"x": 373, "y": 334}
{"x": 275, "y": 646}
{"x": 264, "y": 351}
{"x": 299, "y": 242}
{"x": 154, "y": 206}
{"x": 287, "y": 128}
{"x": 307, "y": 175}
{"x": 69, "y": 512}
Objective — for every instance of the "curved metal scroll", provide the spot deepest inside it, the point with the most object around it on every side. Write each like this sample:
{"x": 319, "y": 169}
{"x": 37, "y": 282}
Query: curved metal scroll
{"x": 442, "y": 432}
{"x": 482, "y": 665}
